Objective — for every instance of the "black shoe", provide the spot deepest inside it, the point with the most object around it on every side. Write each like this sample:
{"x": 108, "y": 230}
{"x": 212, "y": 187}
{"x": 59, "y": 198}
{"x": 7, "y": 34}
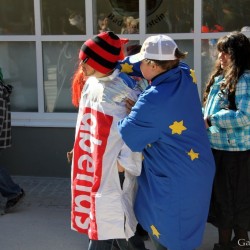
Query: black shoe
{"x": 14, "y": 202}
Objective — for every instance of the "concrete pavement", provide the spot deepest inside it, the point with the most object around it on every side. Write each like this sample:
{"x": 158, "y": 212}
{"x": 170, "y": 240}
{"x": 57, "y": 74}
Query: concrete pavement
{"x": 42, "y": 221}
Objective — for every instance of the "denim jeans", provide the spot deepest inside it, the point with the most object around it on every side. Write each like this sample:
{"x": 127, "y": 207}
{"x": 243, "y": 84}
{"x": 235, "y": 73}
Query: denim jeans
{"x": 8, "y": 188}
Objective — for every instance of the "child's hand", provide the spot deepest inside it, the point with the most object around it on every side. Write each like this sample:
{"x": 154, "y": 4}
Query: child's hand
{"x": 70, "y": 156}
{"x": 129, "y": 105}
{"x": 120, "y": 167}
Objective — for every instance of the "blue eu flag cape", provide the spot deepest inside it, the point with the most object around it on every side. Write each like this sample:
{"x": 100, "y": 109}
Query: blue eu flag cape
{"x": 174, "y": 188}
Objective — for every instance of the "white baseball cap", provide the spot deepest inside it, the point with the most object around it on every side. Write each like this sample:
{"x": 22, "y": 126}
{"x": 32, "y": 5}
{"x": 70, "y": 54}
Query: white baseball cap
{"x": 245, "y": 28}
{"x": 159, "y": 47}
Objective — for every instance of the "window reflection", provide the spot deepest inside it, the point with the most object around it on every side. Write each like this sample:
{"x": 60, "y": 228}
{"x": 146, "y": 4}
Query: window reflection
{"x": 18, "y": 63}
{"x": 167, "y": 16}
{"x": 208, "y": 58}
{"x": 103, "y": 23}
{"x": 121, "y": 17}
{"x": 130, "y": 25}
{"x": 16, "y": 22}
{"x": 132, "y": 47}
{"x": 187, "y": 45}
{"x": 60, "y": 62}
{"x": 63, "y": 17}
{"x": 225, "y": 16}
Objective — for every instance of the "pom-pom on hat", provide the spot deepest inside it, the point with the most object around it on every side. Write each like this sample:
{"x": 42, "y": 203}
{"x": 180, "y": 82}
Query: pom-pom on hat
{"x": 159, "y": 47}
{"x": 103, "y": 51}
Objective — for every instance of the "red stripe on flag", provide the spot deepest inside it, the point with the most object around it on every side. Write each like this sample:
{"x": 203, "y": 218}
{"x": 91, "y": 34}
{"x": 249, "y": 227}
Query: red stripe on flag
{"x": 89, "y": 148}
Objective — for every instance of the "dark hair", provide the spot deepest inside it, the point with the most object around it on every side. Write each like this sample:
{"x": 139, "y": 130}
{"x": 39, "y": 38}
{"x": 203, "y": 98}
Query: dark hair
{"x": 237, "y": 45}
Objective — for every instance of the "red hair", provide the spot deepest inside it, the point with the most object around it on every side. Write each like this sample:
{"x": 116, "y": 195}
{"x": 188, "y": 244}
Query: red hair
{"x": 78, "y": 82}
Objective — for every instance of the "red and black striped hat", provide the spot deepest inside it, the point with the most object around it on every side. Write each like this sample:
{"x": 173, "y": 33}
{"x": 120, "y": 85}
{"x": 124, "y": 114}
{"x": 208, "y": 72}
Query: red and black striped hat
{"x": 102, "y": 52}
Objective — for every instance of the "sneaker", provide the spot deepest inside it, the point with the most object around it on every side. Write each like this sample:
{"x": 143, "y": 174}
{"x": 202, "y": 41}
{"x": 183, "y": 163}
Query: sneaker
{"x": 14, "y": 202}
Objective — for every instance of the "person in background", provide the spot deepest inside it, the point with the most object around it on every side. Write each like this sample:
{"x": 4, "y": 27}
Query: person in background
{"x": 102, "y": 23}
{"x": 130, "y": 26}
{"x": 167, "y": 126}
{"x": 227, "y": 118}
{"x": 8, "y": 188}
{"x": 104, "y": 169}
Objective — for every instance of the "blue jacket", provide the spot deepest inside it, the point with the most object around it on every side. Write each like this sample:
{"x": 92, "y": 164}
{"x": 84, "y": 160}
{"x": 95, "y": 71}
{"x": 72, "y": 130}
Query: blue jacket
{"x": 230, "y": 129}
{"x": 167, "y": 126}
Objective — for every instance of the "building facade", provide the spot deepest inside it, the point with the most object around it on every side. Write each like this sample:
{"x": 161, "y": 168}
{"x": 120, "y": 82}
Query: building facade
{"x": 39, "y": 44}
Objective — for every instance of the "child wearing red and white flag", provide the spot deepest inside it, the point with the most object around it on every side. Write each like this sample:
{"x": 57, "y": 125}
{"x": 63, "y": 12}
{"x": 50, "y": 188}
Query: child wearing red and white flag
{"x": 102, "y": 204}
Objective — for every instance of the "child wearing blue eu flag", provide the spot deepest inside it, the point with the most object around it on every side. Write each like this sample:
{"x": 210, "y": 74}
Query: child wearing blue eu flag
{"x": 166, "y": 124}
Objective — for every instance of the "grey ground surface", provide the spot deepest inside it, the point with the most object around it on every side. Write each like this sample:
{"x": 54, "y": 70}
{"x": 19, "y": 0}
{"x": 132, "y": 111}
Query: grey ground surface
{"x": 42, "y": 221}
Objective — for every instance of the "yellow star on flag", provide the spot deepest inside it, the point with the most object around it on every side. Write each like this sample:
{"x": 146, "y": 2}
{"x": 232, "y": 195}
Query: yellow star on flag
{"x": 192, "y": 74}
{"x": 126, "y": 68}
{"x": 155, "y": 231}
{"x": 149, "y": 145}
{"x": 193, "y": 155}
{"x": 177, "y": 127}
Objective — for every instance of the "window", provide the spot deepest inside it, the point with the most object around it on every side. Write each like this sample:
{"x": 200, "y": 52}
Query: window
{"x": 122, "y": 17}
{"x": 209, "y": 56}
{"x": 63, "y": 17}
{"x": 40, "y": 41}
{"x": 225, "y": 16}
{"x": 17, "y": 17}
{"x": 169, "y": 16}
{"x": 60, "y": 60}
{"x": 18, "y": 63}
